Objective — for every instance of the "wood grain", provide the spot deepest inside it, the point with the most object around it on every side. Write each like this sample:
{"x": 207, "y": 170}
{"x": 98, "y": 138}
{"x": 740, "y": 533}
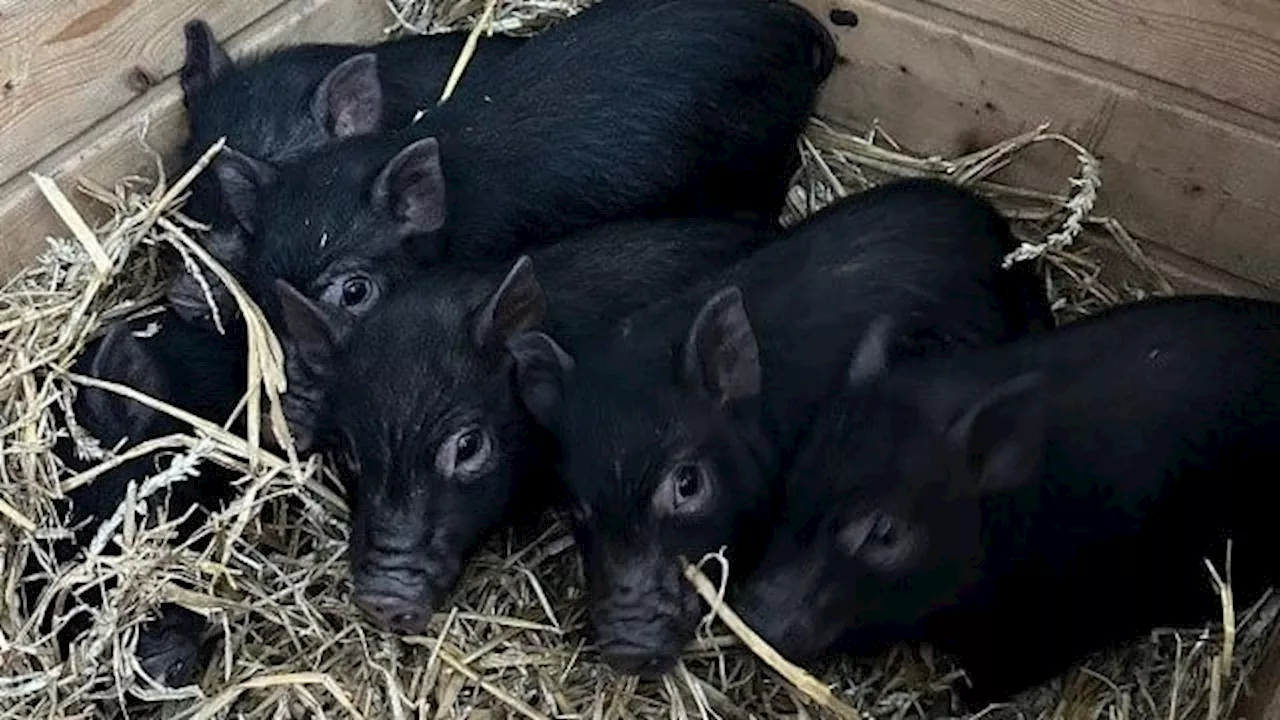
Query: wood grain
{"x": 66, "y": 64}
{"x": 111, "y": 149}
{"x": 1226, "y": 49}
{"x": 1198, "y": 185}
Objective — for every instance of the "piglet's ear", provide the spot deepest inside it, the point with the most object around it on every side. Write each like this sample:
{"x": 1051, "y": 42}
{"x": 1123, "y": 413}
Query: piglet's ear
{"x": 517, "y": 306}
{"x": 315, "y": 330}
{"x": 1000, "y": 439}
{"x": 243, "y": 180}
{"x": 721, "y": 357}
{"x": 411, "y": 188}
{"x": 348, "y": 101}
{"x": 205, "y": 62}
{"x": 124, "y": 359}
{"x": 542, "y": 369}
{"x": 871, "y": 358}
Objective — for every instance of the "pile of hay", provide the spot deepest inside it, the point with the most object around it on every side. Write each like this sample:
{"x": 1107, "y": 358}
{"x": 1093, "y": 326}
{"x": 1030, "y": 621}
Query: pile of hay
{"x": 274, "y": 576}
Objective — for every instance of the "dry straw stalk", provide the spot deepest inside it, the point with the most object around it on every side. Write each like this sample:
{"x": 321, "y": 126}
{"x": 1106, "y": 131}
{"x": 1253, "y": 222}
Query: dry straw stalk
{"x": 273, "y": 578}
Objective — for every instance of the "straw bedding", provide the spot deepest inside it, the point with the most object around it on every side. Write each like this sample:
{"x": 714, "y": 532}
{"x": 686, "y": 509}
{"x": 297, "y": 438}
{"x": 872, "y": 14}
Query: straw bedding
{"x": 273, "y": 577}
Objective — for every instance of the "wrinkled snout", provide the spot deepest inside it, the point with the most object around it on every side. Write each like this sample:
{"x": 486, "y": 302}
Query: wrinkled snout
{"x": 397, "y": 599}
{"x": 399, "y": 614}
{"x": 399, "y": 580}
{"x": 396, "y": 591}
{"x": 645, "y": 619}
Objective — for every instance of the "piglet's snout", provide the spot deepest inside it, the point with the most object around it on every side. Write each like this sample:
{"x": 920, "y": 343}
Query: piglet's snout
{"x": 397, "y": 597}
{"x": 404, "y": 616}
{"x": 763, "y": 617}
{"x": 646, "y": 617}
{"x": 781, "y": 612}
{"x": 396, "y": 583}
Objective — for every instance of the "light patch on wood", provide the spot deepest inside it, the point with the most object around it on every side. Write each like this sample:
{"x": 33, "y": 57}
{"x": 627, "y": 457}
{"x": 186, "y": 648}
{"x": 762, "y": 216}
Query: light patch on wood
{"x": 111, "y": 149}
{"x": 90, "y": 22}
{"x": 78, "y": 61}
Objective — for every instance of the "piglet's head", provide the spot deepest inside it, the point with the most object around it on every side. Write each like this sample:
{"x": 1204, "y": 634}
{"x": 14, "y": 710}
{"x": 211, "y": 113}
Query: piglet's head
{"x": 431, "y": 440}
{"x": 168, "y": 648}
{"x": 244, "y": 106}
{"x": 248, "y": 105}
{"x": 118, "y": 420}
{"x": 662, "y": 460}
{"x": 195, "y": 291}
{"x": 335, "y": 224}
{"x": 121, "y": 358}
{"x": 339, "y": 251}
{"x": 883, "y": 519}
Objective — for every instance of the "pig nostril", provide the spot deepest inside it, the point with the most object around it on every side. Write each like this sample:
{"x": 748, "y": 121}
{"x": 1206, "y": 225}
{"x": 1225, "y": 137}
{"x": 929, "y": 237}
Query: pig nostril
{"x": 645, "y": 662}
{"x": 407, "y": 621}
{"x": 399, "y": 615}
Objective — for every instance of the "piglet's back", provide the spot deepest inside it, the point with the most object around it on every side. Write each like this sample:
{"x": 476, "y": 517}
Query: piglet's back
{"x": 1177, "y": 398}
{"x": 595, "y": 277}
{"x": 922, "y": 251}
{"x": 186, "y": 366}
{"x": 653, "y": 107}
{"x": 1147, "y": 434}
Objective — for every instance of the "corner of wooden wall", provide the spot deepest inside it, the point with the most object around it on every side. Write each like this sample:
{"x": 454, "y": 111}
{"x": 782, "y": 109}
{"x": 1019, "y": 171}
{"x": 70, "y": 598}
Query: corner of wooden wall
{"x": 112, "y": 147}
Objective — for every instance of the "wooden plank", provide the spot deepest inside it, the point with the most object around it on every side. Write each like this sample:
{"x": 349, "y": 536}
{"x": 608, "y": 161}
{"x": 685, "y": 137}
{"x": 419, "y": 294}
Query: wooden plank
{"x": 66, "y": 64}
{"x": 903, "y": 67}
{"x": 1188, "y": 275}
{"x": 1160, "y": 90}
{"x": 1193, "y": 183}
{"x": 112, "y": 150}
{"x": 1225, "y": 49}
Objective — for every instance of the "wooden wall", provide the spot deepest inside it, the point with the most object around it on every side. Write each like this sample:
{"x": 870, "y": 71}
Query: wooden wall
{"x": 1180, "y": 98}
{"x": 79, "y": 79}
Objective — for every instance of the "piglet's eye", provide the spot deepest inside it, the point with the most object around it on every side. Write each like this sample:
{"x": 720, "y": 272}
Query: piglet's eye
{"x": 355, "y": 292}
{"x": 685, "y": 490}
{"x": 688, "y": 482}
{"x": 470, "y": 446}
{"x": 465, "y": 453}
{"x": 884, "y": 533}
{"x": 881, "y": 541}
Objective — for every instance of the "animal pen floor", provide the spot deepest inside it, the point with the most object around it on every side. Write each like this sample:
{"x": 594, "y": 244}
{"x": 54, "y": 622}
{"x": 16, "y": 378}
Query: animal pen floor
{"x": 512, "y": 644}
